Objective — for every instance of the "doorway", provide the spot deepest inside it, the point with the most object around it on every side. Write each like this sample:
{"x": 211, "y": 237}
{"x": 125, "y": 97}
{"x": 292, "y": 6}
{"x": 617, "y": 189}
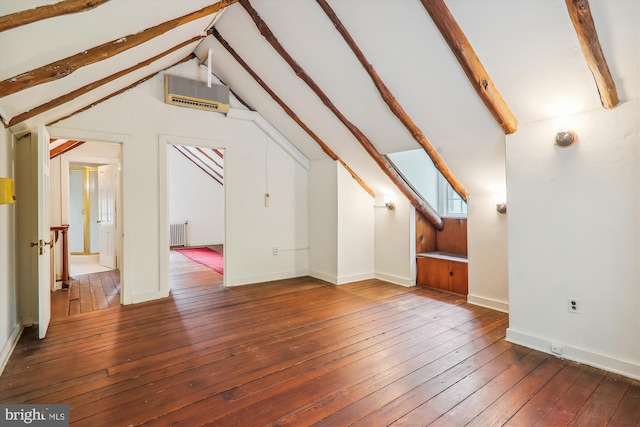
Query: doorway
{"x": 88, "y": 194}
{"x": 196, "y": 207}
{"x": 92, "y": 219}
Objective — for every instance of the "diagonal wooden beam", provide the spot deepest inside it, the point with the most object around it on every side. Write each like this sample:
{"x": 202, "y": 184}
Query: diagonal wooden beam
{"x": 39, "y": 13}
{"x": 64, "y": 67}
{"x": 393, "y": 103}
{"x": 198, "y": 160}
{"x": 383, "y": 163}
{"x": 142, "y": 80}
{"x": 473, "y": 68}
{"x": 204, "y": 153}
{"x": 195, "y": 163}
{"x": 64, "y": 147}
{"x": 290, "y": 112}
{"x": 580, "y": 14}
{"x": 91, "y": 86}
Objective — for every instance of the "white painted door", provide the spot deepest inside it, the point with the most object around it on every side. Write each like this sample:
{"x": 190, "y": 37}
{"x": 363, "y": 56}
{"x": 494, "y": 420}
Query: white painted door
{"x": 42, "y": 248}
{"x": 107, "y": 179}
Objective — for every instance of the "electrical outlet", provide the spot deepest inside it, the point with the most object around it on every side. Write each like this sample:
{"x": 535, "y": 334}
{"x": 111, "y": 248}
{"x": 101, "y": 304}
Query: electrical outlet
{"x": 276, "y": 251}
{"x": 573, "y": 305}
{"x": 556, "y": 349}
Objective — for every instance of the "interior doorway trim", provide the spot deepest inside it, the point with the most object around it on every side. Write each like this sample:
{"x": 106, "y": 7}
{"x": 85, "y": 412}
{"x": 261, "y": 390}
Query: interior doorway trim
{"x": 165, "y": 142}
{"x": 124, "y": 249}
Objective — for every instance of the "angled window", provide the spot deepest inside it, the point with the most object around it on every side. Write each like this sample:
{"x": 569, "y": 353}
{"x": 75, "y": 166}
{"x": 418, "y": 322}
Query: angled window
{"x": 451, "y": 204}
{"x": 417, "y": 170}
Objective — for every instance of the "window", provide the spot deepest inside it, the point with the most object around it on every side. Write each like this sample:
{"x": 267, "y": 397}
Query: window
{"x": 451, "y": 204}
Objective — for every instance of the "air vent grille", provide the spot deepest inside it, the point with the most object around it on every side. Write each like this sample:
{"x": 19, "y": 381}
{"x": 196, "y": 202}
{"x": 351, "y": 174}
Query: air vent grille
{"x": 196, "y": 94}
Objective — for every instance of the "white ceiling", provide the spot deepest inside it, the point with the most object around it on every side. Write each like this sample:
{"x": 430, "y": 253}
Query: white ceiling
{"x": 529, "y": 48}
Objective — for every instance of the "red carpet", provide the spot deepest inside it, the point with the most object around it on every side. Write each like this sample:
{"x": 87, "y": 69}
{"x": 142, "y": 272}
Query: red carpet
{"x": 205, "y": 256}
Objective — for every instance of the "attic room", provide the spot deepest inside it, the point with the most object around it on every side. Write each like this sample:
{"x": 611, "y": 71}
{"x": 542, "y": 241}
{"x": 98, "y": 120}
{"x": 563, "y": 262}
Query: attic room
{"x": 524, "y": 115}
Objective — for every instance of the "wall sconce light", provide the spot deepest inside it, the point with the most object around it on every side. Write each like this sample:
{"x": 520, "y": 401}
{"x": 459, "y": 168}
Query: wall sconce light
{"x": 565, "y": 138}
{"x": 501, "y": 208}
{"x": 390, "y": 205}
{"x": 6, "y": 191}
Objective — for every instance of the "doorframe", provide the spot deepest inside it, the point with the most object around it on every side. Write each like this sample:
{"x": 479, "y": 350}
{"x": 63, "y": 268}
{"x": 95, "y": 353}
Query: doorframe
{"x": 123, "y": 246}
{"x": 65, "y": 164}
{"x": 164, "y": 145}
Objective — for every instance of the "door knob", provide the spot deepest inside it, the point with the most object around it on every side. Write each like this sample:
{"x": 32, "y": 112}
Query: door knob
{"x": 40, "y": 246}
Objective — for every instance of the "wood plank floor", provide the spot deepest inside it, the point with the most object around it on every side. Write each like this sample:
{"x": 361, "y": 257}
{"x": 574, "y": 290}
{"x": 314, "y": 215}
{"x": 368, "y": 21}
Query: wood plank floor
{"x": 86, "y": 293}
{"x": 301, "y": 352}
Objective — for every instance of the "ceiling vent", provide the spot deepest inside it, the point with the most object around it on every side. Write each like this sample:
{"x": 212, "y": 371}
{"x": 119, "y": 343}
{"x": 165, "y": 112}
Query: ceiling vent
{"x": 195, "y": 94}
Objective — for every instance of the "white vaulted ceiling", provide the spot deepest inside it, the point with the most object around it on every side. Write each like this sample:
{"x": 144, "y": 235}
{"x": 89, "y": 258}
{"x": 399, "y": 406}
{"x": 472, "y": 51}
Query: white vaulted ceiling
{"x": 528, "y": 47}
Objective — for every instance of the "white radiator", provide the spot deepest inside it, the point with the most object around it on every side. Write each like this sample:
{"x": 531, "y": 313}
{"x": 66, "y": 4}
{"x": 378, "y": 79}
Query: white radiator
{"x": 178, "y": 234}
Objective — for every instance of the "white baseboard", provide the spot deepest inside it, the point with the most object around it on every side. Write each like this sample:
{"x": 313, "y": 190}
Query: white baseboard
{"x": 396, "y": 280}
{"x": 600, "y": 361}
{"x": 9, "y": 346}
{"x": 488, "y": 303}
{"x": 149, "y": 296}
{"x": 342, "y": 280}
{"x": 323, "y": 276}
{"x": 249, "y": 280}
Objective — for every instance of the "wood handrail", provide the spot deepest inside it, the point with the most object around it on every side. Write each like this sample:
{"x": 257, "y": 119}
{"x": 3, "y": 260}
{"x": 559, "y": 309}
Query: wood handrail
{"x": 63, "y": 229}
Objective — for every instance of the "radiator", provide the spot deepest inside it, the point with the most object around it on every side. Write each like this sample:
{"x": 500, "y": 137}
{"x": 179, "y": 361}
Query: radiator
{"x": 178, "y": 234}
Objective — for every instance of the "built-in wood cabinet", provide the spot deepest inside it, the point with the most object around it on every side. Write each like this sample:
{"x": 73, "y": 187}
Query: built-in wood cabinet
{"x": 441, "y": 261}
{"x": 443, "y": 271}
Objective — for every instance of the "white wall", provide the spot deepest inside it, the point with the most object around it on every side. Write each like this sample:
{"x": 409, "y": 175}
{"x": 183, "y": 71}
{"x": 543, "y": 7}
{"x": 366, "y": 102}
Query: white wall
{"x": 195, "y": 197}
{"x": 341, "y": 231}
{"x": 395, "y": 245}
{"x": 9, "y": 324}
{"x": 323, "y": 220}
{"x": 145, "y": 125}
{"x": 356, "y": 225}
{"x": 573, "y": 233}
{"x": 487, "y": 253}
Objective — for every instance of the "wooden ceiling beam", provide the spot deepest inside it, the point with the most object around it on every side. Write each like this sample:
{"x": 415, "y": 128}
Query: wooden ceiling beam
{"x": 393, "y": 103}
{"x": 188, "y": 156}
{"x": 142, "y": 80}
{"x": 328, "y": 151}
{"x": 473, "y": 68}
{"x": 39, "y": 13}
{"x": 91, "y": 86}
{"x": 63, "y": 148}
{"x": 382, "y": 162}
{"x": 64, "y": 67}
{"x": 204, "y": 153}
{"x": 580, "y": 14}
{"x": 195, "y": 157}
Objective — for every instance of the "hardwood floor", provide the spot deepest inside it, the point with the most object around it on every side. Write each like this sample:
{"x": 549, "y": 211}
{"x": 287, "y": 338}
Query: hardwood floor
{"x": 302, "y": 352}
{"x": 87, "y": 293}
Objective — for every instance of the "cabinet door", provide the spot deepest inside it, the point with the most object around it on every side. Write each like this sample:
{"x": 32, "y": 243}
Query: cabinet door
{"x": 443, "y": 274}
{"x": 458, "y": 277}
{"x": 433, "y": 272}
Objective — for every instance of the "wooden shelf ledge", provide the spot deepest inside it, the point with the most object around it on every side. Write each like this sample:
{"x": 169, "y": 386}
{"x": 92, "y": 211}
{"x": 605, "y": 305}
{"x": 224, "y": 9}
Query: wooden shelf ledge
{"x": 444, "y": 255}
